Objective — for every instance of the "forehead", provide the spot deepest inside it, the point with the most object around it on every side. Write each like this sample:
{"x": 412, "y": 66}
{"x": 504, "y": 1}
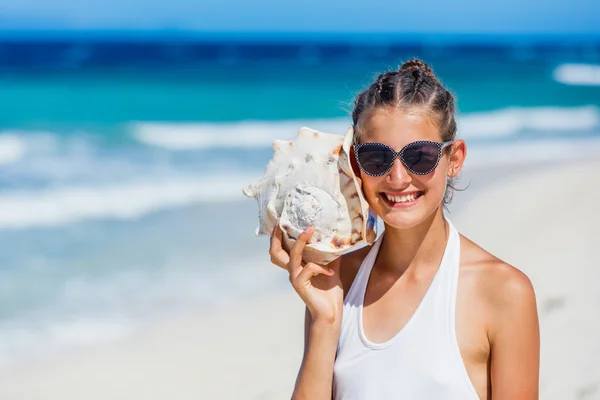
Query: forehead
{"x": 397, "y": 128}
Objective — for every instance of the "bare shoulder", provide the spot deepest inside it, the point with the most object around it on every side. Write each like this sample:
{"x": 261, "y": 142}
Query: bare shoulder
{"x": 499, "y": 281}
{"x": 501, "y": 287}
{"x": 500, "y": 298}
{"x": 350, "y": 264}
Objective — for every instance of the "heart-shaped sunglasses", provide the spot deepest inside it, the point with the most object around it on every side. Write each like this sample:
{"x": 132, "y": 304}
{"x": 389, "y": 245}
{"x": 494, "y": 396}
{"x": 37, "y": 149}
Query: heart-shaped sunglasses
{"x": 420, "y": 157}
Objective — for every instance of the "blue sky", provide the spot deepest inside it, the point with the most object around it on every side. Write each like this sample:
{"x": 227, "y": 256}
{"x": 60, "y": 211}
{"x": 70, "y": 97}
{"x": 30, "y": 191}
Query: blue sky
{"x": 423, "y": 16}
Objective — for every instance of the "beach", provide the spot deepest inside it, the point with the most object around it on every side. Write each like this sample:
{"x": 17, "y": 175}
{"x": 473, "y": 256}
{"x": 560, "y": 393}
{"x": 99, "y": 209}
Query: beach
{"x": 129, "y": 267}
{"x": 543, "y": 219}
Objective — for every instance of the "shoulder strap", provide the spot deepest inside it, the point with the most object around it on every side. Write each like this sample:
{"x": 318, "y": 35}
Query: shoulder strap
{"x": 363, "y": 272}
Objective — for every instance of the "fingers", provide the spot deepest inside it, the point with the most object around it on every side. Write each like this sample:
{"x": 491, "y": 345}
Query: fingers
{"x": 335, "y": 265}
{"x": 278, "y": 255}
{"x": 295, "y": 264}
{"x": 308, "y": 271}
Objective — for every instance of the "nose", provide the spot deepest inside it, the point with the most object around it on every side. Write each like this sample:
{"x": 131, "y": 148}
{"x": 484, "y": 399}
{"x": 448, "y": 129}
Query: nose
{"x": 398, "y": 174}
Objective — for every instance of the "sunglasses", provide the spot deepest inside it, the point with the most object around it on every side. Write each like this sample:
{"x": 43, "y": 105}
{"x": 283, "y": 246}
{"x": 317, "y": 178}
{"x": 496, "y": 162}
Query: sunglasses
{"x": 420, "y": 158}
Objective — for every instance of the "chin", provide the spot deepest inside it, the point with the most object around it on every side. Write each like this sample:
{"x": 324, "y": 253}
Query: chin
{"x": 404, "y": 221}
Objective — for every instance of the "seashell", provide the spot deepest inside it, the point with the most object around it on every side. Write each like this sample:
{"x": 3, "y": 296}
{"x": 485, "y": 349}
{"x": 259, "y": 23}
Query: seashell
{"x": 310, "y": 182}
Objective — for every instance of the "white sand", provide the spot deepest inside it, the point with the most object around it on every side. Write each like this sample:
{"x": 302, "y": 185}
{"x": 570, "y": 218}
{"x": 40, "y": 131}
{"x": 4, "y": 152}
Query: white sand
{"x": 546, "y": 223}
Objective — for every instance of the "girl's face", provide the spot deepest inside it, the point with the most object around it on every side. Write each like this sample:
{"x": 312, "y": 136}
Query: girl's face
{"x": 400, "y": 198}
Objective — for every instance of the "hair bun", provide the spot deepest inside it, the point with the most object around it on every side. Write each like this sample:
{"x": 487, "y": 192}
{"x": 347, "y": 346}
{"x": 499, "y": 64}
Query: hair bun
{"x": 417, "y": 65}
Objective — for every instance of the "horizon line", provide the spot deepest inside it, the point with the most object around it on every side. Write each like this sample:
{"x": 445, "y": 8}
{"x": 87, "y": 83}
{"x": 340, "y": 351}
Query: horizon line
{"x": 432, "y": 38}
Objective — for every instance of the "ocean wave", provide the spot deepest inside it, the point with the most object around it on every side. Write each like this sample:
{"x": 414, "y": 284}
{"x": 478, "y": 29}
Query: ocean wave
{"x": 245, "y": 134}
{"x": 531, "y": 152}
{"x": 63, "y": 205}
{"x": 514, "y": 121}
{"x": 87, "y": 310}
{"x": 54, "y": 186}
{"x": 502, "y": 123}
{"x": 578, "y": 74}
{"x": 18, "y": 342}
{"x": 12, "y": 148}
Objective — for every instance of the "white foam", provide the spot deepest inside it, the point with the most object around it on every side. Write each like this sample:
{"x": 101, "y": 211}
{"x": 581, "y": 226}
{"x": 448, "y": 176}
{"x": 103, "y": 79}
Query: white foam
{"x": 530, "y": 152}
{"x": 244, "y": 134}
{"x": 513, "y": 121}
{"x": 88, "y": 331}
{"x": 578, "y": 74}
{"x": 17, "y": 341}
{"x": 502, "y": 123}
{"x": 91, "y": 309}
{"x": 62, "y": 205}
{"x": 12, "y": 148}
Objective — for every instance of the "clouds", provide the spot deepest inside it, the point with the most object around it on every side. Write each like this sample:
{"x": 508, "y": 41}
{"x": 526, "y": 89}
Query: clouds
{"x": 466, "y": 16}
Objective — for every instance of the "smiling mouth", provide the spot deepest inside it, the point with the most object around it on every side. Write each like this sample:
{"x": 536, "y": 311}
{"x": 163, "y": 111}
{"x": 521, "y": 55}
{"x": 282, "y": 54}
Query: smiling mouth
{"x": 402, "y": 199}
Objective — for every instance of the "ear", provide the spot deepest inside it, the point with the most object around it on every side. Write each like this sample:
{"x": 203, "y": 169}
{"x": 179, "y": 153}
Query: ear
{"x": 456, "y": 158}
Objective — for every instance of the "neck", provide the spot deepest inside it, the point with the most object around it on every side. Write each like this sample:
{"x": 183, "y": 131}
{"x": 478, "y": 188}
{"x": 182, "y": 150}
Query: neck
{"x": 417, "y": 248}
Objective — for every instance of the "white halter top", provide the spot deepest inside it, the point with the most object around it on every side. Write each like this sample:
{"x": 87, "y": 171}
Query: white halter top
{"x": 422, "y": 361}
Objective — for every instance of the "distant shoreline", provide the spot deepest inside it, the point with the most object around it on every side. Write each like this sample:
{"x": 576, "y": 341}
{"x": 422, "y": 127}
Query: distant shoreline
{"x": 283, "y": 37}
{"x": 43, "y": 50}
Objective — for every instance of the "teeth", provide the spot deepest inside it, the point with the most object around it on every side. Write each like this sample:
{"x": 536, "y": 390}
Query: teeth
{"x": 401, "y": 199}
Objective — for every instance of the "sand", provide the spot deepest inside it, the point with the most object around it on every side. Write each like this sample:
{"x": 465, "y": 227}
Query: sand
{"x": 545, "y": 222}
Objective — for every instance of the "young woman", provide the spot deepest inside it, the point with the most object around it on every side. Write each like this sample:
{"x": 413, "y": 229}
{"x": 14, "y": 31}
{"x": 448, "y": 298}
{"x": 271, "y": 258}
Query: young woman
{"x": 423, "y": 313}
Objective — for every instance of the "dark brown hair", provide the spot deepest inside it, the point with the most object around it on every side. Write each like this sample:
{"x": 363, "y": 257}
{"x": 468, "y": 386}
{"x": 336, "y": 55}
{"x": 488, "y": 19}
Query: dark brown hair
{"x": 412, "y": 86}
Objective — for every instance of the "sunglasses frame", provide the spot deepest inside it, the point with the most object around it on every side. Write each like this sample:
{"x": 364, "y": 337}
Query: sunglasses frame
{"x": 441, "y": 146}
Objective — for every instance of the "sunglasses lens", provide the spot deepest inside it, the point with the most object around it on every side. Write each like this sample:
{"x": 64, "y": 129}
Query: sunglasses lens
{"x": 421, "y": 158}
{"x": 374, "y": 159}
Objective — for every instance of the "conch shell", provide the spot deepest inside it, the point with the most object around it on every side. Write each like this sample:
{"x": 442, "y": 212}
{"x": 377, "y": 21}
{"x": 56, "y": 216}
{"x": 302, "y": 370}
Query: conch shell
{"x": 310, "y": 182}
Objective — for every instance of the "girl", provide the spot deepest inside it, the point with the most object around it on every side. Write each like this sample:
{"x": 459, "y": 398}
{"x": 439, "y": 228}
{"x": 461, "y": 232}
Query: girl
{"x": 423, "y": 313}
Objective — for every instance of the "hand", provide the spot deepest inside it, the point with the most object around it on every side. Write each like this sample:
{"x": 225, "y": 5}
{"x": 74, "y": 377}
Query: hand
{"x": 319, "y": 287}
{"x": 279, "y": 256}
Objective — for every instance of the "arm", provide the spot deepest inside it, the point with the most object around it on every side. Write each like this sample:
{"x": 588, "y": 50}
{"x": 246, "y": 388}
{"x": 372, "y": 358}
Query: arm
{"x": 315, "y": 378}
{"x": 321, "y": 289}
{"x": 514, "y": 338}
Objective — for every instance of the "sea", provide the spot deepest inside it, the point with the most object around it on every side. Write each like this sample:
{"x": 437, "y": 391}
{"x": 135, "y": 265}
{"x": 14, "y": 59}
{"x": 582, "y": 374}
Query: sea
{"x": 123, "y": 158}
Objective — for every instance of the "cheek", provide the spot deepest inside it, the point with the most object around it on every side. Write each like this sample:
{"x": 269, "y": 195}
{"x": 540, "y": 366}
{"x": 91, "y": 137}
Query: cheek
{"x": 436, "y": 182}
{"x": 368, "y": 182}
{"x": 433, "y": 183}
{"x": 369, "y": 186}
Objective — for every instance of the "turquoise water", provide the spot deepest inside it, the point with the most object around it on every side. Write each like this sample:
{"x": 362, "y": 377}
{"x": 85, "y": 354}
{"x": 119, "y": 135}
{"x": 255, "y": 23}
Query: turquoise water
{"x": 100, "y": 100}
{"x": 120, "y": 191}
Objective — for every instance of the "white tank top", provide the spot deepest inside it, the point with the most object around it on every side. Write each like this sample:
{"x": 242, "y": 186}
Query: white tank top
{"x": 422, "y": 361}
